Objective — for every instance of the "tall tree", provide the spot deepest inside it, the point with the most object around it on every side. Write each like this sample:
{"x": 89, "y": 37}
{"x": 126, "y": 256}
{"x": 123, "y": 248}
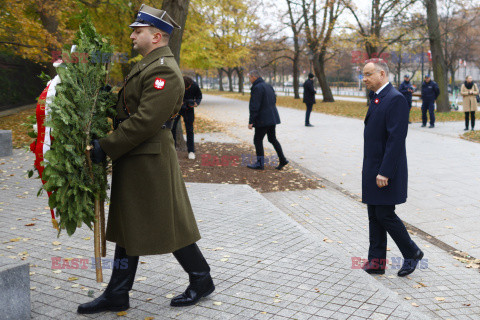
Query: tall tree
{"x": 383, "y": 12}
{"x": 438, "y": 59}
{"x": 460, "y": 32}
{"x": 178, "y": 10}
{"x": 198, "y": 48}
{"x": 33, "y": 29}
{"x": 296, "y": 25}
{"x": 320, "y": 20}
{"x": 232, "y": 22}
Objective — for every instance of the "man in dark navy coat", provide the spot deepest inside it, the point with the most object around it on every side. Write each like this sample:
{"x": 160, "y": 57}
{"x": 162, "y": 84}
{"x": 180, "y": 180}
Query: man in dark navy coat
{"x": 264, "y": 117}
{"x": 430, "y": 93}
{"x": 385, "y": 175}
{"x": 406, "y": 89}
{"x": 309, "y": 98}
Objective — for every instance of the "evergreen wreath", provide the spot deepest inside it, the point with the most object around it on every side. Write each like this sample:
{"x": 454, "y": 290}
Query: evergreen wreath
{"x": 79, "y": 113}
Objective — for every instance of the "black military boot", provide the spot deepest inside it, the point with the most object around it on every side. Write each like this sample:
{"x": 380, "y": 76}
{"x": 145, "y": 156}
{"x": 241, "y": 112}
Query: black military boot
{"x": 115, "y": 297}
{"x": 201, "y": 283}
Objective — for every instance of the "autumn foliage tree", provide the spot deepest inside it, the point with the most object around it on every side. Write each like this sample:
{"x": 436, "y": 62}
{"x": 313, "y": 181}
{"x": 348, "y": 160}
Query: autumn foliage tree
{"x": 320, "y": 19}
{"x": 33, "y": 29}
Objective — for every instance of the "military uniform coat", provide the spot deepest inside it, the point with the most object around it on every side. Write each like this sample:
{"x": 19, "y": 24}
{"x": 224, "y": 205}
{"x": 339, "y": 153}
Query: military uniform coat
{"x": 150, "y": 212}
{"x": 469, "y": 100}
{"x": 386, "y": 126}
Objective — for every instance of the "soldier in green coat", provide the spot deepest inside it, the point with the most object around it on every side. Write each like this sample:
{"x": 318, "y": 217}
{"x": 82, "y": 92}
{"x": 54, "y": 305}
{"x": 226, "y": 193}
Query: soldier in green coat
{"x": 150, "y": 212}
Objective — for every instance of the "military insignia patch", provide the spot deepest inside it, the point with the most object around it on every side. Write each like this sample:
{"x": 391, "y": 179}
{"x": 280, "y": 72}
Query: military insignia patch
{"x": 159, "y": 84}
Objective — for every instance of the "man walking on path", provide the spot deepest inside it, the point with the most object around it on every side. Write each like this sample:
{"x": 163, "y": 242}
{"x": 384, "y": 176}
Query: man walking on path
{"x": 430, "y": 92}
{"x": 191, "y": 100}
{"x": 150, "y": 211}
{"x": 309, "y": 97}
{"x": 385, "y": 174}
{"x": 264, "y": 117}
{"x": 406, "y": 89}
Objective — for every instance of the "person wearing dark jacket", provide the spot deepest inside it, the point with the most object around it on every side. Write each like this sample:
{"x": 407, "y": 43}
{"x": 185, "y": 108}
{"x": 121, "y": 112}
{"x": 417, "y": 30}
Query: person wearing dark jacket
{"x": 309, "y": 97}
{"x": 264, "y": 117}
{"x": 385, "y": 171}
{"x": 430, "y": 92}
{"x": 191, "y": 100}
{"x": 406, "y": 89}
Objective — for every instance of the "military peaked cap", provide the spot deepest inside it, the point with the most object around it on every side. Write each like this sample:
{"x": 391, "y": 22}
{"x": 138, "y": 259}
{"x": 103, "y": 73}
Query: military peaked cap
{"x": 151, "y": 17}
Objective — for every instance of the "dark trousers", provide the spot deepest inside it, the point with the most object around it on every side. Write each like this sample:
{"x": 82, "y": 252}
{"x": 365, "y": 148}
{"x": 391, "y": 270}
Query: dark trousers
{"x": 430, "y": 106}
{"x": 382, "y": 219}
{"x": 309, "y": 110}
{"x": 473, "y": 119}
{"x": 188, "y": 118}
{"x": 258, "y": 141}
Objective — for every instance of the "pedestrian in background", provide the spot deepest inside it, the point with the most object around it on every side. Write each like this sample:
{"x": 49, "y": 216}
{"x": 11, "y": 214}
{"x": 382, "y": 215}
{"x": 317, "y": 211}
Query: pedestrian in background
{"x": 385, "y": 171}
{"x": 309, "y": 97}
{"x": 264, "y": 117}
{"x": 191, "y": 100}
{"x": 430, "y": 92}
{"x": 469, "y": 91}
{"x": 407, "y": 89}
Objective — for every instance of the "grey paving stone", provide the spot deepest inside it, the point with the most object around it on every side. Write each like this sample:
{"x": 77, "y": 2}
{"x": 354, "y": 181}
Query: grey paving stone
{"x": 311, "y": 262}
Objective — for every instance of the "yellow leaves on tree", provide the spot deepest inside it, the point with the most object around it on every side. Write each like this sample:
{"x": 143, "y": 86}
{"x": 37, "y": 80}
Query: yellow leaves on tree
{"x": 217, "y": 34}
{"x": 34, "y": 28}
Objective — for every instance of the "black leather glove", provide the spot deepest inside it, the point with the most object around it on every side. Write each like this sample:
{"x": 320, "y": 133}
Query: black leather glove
{"x": 97, "y": 155}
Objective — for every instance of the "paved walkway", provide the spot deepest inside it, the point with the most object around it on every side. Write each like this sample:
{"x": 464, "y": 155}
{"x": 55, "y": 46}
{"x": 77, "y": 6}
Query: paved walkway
{"x": 265, "y": 265}
{"x": 444, "y": 289}
{"x": 444, "y": 184}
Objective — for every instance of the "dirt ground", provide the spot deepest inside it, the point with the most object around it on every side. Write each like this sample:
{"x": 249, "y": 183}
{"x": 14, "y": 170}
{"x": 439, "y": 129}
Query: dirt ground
{"x": 226, "y": 163}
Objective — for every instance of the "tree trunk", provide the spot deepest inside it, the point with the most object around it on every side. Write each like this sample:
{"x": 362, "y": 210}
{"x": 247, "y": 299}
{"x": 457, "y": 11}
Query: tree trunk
{"x": 241, "y": 78}
{"x": 318, "y": 66}
{"x": 296, "y": 82}
{"x": 50, "y": 23}
{"x": 452, "y": 72}
{"x": 220, "y": 79}
{"x": 438, "y": 59}
{"x": 274, "y": 80}
{"x": 229, "y": 72}
{"x": 178, "y": 10}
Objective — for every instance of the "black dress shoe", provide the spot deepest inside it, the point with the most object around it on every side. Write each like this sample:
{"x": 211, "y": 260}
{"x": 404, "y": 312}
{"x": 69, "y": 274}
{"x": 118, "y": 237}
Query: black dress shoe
{"x": 424, "y": 125}
{"x": 255, "y": 166}
{"x": 465, "y": 129}
{"x": 309, "y": 125}
{"x": 282, "y": 164}
{"x": 378, "y": 269}
{"x": 409, "y": 265}
{"x": 431, "y": 126}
